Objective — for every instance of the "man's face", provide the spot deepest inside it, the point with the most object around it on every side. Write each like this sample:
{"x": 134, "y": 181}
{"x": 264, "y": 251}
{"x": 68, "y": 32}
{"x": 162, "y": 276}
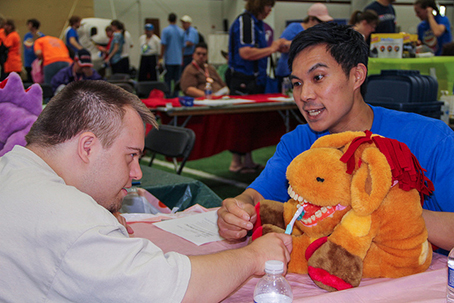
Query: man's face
{"x": 115, "y": 167}
{"x": 185, "y": 25}
{"x": 200, "y": 56}
{"x": 421, "y": 13}
{"x": 322, "y": 91}
{"x": 76, "y": 25}
{"x": 266, "y": 11}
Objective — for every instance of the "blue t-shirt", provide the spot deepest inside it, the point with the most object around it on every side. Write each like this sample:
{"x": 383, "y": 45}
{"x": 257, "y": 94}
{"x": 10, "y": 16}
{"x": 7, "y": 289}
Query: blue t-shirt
{"x": 29, "y": 53}
{"x": 386, "y": 15}
{"x": 289, "y": 33}
{"x": 246, "y": 30}
{"x": 72, "y": 33}
{"x": 191, "y": 35}
{"x": 172, "y": 38}
{"x": 427, "y": 37}
{"x": 119, "y": 39}
{"x": 430, "y": 140}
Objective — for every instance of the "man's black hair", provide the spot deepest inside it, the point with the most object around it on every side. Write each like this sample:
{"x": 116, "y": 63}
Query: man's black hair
{"x": 346, "y": 45}
{"x": 172, "y": 18}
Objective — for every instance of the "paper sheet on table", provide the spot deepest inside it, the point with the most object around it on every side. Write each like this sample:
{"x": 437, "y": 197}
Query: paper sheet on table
{"x": 198, "y": 229}
{"x": 282, "y": 99}
{"x": 220, "y": 102}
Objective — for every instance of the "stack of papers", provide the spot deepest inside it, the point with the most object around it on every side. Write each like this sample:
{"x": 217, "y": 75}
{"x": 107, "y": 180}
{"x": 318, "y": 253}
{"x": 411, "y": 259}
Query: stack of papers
{"x": 221, "y": 102}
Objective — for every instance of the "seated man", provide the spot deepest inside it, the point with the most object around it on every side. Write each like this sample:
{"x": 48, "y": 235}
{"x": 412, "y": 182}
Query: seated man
{"x": 80, "y": 69}
{"x": 59, "y": 239}
{"x": 198, "y": 73}
{"x": 328, "y": 72}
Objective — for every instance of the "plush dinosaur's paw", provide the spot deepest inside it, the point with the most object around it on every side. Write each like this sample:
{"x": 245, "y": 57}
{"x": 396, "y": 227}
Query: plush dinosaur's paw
{"x": 333, "y": 268}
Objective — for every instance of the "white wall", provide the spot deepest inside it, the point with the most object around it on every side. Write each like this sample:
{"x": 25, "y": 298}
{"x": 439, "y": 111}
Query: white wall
{"x": 208, "y": 15}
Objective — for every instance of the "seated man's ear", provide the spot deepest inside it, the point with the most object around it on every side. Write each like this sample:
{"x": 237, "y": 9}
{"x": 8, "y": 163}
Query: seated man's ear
{"x": 87, "y": 145}
{"x": 360, "y": 74}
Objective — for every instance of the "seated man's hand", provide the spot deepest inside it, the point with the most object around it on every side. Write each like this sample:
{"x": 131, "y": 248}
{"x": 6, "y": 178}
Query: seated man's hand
{"x": 235, "y": 219}
{"x": 122, "y": 221}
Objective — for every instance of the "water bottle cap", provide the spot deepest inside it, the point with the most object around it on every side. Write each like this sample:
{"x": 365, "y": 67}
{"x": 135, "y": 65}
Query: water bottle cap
{"x": 274, "y": 266}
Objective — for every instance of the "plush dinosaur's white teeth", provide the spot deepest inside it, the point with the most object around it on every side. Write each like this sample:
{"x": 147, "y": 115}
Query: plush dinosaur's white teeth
{"x": 300, "y": 199}
{"x": 318, "y": 214}
{"x": 289, "y": 190}
{"x": 313, "y": 217}
{"x": 323, "y": 209}
{"x": 295, "y": 197}
{"x": 328, "y": 207}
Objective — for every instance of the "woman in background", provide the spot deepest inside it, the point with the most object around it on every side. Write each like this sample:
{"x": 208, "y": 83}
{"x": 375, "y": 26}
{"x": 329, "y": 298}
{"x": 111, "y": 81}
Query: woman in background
{"x": 118, "y": 63}
{"x": 12, "y": 41}
{"x": 434, "y": 30}
{"x": 364, "y": 22}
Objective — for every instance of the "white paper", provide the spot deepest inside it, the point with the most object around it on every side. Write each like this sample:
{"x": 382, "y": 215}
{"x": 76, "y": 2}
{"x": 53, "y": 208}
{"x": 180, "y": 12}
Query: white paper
{"x": 198, "y": 229}
{"x": 282, "y": 99}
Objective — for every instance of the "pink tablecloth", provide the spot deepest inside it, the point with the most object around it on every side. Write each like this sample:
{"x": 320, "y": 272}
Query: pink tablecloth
{"x": 429, "y": 286}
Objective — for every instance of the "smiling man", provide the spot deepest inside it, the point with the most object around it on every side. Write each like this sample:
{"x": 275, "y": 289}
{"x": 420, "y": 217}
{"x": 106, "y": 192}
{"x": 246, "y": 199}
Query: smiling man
{"x": 59, "y": 241}
{"x": 328, "y": 65}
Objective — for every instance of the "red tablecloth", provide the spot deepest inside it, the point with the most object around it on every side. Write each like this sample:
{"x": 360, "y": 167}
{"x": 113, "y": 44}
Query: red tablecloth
{"x": 242, "y": 133}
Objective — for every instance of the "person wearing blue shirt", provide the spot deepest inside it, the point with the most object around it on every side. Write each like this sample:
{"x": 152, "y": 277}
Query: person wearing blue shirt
{"x": 118, "y": 63}
{"x": 248, "y": 49}
{"x": 434, "y": 30}
{"x": 172, "y": 51}
{"x": 72, "y": 37}
{"x": 191, "y": 39}
{"x": 328, "y": 72}
{"x": 316, "y": 14}
{"x": 386, "y": 15}
{"x": 29, "y": 42}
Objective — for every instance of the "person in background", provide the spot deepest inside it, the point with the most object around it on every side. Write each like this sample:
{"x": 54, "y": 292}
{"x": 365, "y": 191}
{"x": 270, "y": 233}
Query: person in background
{"x": 198, "y": 73}
{"x": 434, "y": 30}
{"x": 328, "y": 72}
{"x": 80, "y": 69}
{"x": 59, "y": 193}
{"x": 191, "y": 38}
{"x": 364, "y": 22}
{"x": 12, "y": 41}
{"x": 248, "y": 50}
{"x": 317, "y": 13}
{"x": 448, "y": 49}
{"x": 248, "y": 57}
{"x": 172, "y": 43}
{"x": 72, "y": 37}
{"x": 29, "y": 41}
{"x": 118, "y": 63}
{"x": 386, "y": 15}
{"x": 3, "y": 49}
{"x": 54, "y": 53}
{"x": 150, "y": 46}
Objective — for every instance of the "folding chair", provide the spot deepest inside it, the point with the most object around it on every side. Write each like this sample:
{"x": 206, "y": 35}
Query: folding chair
{"x": 144, "y": 88}
{"x": 171, "y": 141}
{"x": 127, "y": 85}
{"x": 120, "y": 76}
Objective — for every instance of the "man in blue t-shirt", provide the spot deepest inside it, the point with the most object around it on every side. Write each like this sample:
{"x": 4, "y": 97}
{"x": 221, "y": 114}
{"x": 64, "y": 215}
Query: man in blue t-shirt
{"x": 72, "y": 37}
{"x": 386, "y": 15}
{"x": 329, "y": 69}
{"x": 172, "y": 50}
{"x": 248, "y": 49}
{"x": 191, "y": 39}
{"x": 29, "y": 42}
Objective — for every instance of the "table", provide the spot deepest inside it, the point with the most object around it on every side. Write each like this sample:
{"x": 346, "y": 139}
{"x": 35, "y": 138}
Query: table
{"x": 429, "y": 286}
{"x": 238, "y": 127}
{"x": 173, "y": 189}
{"x": 442, "y": 66}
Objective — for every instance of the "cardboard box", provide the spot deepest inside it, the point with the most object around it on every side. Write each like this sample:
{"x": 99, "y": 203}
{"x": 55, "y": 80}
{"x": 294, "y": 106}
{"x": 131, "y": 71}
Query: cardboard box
{"x": 401, "y": 45}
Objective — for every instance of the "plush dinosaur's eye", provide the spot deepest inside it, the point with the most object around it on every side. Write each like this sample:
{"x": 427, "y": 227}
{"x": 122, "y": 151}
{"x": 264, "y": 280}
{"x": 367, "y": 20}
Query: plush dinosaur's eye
{"x": 320, "y": 179}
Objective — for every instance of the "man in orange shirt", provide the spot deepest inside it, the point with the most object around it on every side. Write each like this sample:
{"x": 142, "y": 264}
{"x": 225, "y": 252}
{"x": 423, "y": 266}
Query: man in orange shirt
{"x": 3, "y": 49}
{"x": 11, "y": 40}
{"x": 54, "y": 54}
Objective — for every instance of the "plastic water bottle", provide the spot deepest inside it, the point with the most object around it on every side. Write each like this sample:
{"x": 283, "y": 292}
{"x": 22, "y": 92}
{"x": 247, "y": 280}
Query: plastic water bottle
{"x": 450, "y": 290}
{"x": 445, "y": 108}
{"x": 273, "y": 287}
{"x": 208, "y": 91}
{"x": 286, "y": 86}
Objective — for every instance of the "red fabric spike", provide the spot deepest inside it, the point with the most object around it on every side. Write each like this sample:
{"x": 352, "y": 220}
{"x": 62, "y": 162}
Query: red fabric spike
{"x": 405, "y": 167}
{"x": 349, "y": 155}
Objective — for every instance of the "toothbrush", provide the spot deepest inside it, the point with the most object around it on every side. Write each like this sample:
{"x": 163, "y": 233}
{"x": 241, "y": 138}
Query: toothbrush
{"x": 299, "y": 211}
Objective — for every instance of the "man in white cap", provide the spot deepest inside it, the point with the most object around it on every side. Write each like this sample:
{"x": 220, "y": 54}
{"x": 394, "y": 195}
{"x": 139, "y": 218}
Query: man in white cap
{"x": 80, "y": 69}
{"x": 191, "y": 38}
{"x": 150, "y": 46}
{"x": 316, "y": 14}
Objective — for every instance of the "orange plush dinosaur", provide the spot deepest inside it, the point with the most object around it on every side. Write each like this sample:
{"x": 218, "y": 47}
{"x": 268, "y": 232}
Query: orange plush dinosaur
{"x": 361, "y": 196}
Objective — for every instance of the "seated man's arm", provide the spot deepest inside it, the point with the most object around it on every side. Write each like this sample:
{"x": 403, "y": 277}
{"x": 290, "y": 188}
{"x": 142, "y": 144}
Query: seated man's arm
{"x": 74, "y": 43}
{"x": 440, "y": 226}
{"x": 217, "y": 275}
{"x": 194, "y": 92}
